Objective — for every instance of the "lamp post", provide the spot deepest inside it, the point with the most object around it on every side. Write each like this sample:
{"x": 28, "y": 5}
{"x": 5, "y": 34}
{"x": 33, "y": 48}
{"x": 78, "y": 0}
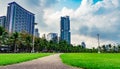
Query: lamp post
{"x": 33, "y": 40}
{"x": 98, "y": 37}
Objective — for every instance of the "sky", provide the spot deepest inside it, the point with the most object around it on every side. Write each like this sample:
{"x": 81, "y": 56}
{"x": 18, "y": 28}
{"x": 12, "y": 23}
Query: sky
{"x": 88, "y": 18}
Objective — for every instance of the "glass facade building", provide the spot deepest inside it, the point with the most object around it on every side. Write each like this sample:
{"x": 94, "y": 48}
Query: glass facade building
{"x": 19, "y": 19}
{"x": 3, "y": 21}
{"x": 36, "y": 32}
{"x": 65, "y": 29}
{"x": 52, "y": 37}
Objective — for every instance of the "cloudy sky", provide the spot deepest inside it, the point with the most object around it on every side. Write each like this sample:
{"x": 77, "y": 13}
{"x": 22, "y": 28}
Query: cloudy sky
{"x": 88, "y": 18}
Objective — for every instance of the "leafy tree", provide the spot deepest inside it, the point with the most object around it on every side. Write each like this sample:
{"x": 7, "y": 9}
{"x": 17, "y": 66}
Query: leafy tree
{"x": 37, "y": 44}
{"x": 2, "y": 30}
{"x": 29, "y": 43}
{"x": 15, "y": 38}
{"x": 5, "y": 37}
{"x": 104, "y": 48}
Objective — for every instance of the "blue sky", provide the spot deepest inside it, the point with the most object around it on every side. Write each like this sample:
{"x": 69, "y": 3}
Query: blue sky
{"x": 88, "y": 17}
{"x": 74, "y": 4}
{"x": 95, "y": 1}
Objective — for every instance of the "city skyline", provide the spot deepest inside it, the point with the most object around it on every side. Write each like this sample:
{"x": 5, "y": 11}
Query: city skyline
{"x": 88, "y": 18}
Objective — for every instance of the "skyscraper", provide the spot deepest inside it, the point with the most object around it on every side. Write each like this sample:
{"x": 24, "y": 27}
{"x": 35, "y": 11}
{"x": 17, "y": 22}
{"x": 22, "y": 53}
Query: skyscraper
{"x": 3, "y": 21}
{"x": 83, "y": 45}
{"x": 19, "y": 19}
{"x": 52, "y": 37}
{"x": 36, "y": 32}
{"x": 65, "y": 29}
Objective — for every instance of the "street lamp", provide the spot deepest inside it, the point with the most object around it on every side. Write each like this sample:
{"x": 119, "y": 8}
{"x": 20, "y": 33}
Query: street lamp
{"x": 33, "y": 49}
{"x": 98, "y": 36}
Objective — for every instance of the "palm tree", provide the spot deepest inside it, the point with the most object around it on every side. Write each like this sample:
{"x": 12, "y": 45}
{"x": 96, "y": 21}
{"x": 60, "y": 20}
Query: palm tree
{"x": 21, "y": 42}
{"x": 37, "y": 44}
{"x": 2, "y": 30}
{"x": 99, "y": 49}
{"x": 28, "y": 43}
{"x": 119, "y": 48}
{"x": 15, "y": 37}
{"x": 5, "y": 37}
{"x": 110, "y": 46}
{"x": 104, "y": 48}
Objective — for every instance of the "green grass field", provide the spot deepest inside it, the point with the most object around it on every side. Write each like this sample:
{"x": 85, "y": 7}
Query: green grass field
{"x": 6, "y": 59}
{"x": 92, "y": 60}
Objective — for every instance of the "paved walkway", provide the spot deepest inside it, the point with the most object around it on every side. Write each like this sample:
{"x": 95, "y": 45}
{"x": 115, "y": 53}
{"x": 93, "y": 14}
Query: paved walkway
{"x": 49, "y": 62}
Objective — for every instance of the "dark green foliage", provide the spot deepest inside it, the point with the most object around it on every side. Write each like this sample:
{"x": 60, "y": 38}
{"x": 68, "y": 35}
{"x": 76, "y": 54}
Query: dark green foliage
{"x": 1, "y": 30}
{"x": 23, "y": 42}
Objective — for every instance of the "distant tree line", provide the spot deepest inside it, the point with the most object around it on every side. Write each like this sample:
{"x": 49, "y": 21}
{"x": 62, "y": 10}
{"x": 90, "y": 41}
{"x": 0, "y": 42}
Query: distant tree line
{"x": 109, "y": 48}
{"x": 22, "y": 42}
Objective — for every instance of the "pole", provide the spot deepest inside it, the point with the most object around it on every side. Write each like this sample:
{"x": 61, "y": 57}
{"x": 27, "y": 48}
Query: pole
{"x": 98, "y": 39}
{"x": 98, "y": 36}
{"x": 33, "y": 49}
{"x": 33, "y": 43}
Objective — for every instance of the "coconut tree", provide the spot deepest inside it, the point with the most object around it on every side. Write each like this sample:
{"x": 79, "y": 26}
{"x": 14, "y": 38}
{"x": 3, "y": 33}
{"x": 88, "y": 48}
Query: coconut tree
{"x": 104, "y": 48}
{"x": 119, "y": 48}
{"x": 15, "y": 38}
{"x": 37, "y": 44}
{"x": 5, "y": 37}
{"x": 110, "y": 47}
{"x": 2, "y": 30}
{"x": 28, "y": 43}
{"x": 22, "y": 41}
{"x": 99, "y": 49}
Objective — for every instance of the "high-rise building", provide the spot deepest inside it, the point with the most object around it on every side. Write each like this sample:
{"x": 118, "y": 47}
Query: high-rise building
{"x": 3, "y": 21}
{"x": 37, "y": 32}
{"x": 19, "y": 19}
{"x": 83, "y": 45}
{"x": 43, "y": 36}
{"x": 52, "y": 37}
{"x": 65, "y": 29}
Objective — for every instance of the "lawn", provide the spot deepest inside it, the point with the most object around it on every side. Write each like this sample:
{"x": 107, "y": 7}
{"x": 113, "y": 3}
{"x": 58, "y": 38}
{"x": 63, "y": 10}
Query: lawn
{"x": 92, "y": 60}
{"x": 6, "y": 59}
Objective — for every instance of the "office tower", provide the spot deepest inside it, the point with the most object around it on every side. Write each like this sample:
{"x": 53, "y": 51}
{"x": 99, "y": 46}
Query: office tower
{"x": 83, "y": 45}
{"x": 36, "y": 33}
{"x": 19, "y": 19}
{"x": 65, "y": 29}
{"x": 3, "y": 21}
{"x": 43, "y": 36}
{"x": 52, "y": 37}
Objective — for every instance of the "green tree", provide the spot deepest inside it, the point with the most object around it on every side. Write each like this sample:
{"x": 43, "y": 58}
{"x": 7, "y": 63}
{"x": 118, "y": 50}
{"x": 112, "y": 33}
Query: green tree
{"x": 104, "y": 48}
{"x": 29, "y": 43}
{"x": 15, "y": 38}
{"x": 2, "y": 30}
{"x": 5, "y": 37}
{"x": 110, "y": 47}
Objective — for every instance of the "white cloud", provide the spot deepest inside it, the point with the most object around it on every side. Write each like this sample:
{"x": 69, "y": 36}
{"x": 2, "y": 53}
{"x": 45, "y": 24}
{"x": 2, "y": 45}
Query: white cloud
{"x": 86, "y": 21}
{"x": 101, "y": 17}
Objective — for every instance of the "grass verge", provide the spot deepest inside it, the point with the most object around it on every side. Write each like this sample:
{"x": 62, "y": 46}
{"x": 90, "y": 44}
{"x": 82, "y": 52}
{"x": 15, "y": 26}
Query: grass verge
{"x": 92, "y": 60}
{"x": 6, "y": 59}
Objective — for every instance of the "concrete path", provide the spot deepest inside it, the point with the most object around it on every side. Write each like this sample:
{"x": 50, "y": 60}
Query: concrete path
{"x": 49, "y": 62}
